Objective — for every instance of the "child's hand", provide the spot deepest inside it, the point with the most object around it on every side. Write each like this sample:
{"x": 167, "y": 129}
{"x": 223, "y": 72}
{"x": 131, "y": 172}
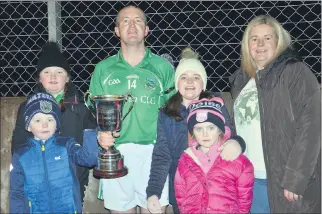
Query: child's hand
{"x": 154, "y": 205}
{"x": 291, "y": 196}
{"x": 230, "y": 150}
{"x": 106, "y": 139}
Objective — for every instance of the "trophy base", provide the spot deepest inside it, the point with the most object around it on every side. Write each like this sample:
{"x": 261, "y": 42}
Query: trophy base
{"x": 98, "y": 173}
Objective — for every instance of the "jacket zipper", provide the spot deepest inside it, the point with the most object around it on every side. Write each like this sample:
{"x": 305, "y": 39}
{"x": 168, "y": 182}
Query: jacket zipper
{"x": 30, "y": 208}
{"x": 46, "y": 174}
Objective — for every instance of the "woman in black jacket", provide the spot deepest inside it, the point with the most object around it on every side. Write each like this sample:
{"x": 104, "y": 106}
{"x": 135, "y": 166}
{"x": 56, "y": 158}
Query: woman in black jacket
{"x": 277, "y": 110}
{"x": 53, "y": 73}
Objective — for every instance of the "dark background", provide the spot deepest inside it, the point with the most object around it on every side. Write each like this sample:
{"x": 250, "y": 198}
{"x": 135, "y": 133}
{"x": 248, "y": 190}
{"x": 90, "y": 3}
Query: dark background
{"x": 214, "y": 29}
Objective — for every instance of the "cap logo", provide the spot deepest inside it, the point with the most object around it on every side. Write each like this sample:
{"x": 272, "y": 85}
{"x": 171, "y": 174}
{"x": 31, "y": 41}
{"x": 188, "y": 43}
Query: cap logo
{"x": 201, "y": 116}
{"x": 45, "y": 106}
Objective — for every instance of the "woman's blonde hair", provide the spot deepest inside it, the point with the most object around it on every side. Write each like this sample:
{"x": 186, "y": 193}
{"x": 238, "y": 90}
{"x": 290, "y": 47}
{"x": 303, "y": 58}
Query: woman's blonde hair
{"x": 282, "y": 36}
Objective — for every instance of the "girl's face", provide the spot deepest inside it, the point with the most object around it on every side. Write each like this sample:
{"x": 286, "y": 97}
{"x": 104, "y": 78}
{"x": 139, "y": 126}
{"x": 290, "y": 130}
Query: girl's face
{"x": 190, "y": 86}
{"x": 206, "y": 134}
{"x": 53, "y": 79}
{"x": 262, "y": 44}
{"x": 43, "y": 126}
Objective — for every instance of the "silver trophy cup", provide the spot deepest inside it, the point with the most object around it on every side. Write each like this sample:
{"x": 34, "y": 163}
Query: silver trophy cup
{"x": 107, "y": 109}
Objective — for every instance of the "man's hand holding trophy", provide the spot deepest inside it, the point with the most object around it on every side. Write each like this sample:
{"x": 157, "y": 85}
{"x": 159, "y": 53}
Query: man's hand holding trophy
{"x": 107, "y": 109}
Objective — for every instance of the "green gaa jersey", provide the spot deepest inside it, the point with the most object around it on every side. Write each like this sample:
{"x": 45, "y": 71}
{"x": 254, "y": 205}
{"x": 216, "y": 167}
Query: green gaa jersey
{"x": 147, "y": 82}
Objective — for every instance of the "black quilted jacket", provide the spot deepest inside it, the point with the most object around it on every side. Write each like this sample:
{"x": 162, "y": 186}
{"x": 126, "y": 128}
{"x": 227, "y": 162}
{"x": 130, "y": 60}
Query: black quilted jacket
{"x": 290, "y": 104}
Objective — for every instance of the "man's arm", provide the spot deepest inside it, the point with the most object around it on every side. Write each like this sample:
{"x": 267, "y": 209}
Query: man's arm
{"x": 95, "y": 86}
{"x": 169, "y": 89}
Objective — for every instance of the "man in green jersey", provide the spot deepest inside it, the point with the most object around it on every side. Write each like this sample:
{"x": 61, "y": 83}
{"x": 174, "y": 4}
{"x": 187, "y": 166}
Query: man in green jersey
{"x": 148, "y": 77}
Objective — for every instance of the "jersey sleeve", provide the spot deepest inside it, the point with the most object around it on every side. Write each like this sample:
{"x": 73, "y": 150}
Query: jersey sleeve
{"x": 169, "y": 88}
{"x": 95, "y": 86}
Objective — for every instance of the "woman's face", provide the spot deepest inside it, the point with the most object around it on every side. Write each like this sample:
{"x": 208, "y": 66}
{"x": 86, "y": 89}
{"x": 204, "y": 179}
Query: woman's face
{"x": 53, "y": 79}
{"x": 262, "y": 44}
{"x": 190, "y": 86}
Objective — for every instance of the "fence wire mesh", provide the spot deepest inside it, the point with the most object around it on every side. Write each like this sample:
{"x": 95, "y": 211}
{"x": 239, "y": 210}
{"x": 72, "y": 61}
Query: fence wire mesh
{"x": 86, "y": 33}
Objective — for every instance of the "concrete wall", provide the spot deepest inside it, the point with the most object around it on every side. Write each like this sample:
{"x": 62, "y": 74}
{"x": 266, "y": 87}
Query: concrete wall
{"x": 8, "y": 112}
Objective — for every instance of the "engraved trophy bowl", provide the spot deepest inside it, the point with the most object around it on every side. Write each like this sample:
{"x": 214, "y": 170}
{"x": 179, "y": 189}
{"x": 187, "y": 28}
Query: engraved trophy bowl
{"x": 107, "y": 109}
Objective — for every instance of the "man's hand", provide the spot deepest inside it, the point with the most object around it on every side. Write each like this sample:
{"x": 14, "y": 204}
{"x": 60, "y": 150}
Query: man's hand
{"x": 291, "y": 196}
{"x": 230, "y": 150}
{"x": 154, "y": 205}
{"x": 106, "y": 139}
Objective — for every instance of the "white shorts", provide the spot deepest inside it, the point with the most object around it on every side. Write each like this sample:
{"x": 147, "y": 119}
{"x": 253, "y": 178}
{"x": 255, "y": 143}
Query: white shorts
{"x": 124, "y": 193}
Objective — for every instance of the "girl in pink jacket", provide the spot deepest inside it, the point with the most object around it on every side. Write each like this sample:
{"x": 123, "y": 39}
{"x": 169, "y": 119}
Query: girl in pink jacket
{"x": 204, "y": 182}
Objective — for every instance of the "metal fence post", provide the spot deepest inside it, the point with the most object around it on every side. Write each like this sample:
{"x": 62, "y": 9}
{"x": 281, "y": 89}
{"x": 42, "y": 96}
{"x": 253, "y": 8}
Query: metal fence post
{"x": 54, "y": 22}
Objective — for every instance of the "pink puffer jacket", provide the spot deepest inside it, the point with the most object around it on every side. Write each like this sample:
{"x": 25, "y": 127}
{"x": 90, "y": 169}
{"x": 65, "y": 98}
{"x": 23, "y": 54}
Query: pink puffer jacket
{"x": 226, "y": 188}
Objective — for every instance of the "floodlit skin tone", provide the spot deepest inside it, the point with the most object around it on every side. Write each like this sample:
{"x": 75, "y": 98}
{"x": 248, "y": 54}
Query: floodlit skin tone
{"x": 132, "y": 30}
{"x": 207, "y": 134}
{"x": 262, "y": 44}
{"x": 190, "y": 85}
{"x": 53, "y": 79}
{"x": 131, "y": 27}
{"x": 43, "y": 126}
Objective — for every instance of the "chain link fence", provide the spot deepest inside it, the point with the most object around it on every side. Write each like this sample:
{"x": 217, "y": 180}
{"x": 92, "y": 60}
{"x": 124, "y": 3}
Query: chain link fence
{"x": 85, "y": 30}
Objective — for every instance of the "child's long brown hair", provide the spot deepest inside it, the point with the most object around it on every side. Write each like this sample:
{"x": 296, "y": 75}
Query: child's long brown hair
{"x": 61, "y": 102}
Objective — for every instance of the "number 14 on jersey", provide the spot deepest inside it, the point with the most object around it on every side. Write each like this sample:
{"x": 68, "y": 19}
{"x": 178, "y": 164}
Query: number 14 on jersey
{"x": 131, "y": 83}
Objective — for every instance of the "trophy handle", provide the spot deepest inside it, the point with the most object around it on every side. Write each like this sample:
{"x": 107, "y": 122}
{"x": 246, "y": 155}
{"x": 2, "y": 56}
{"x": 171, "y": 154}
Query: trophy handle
{"x": 88, "y": 93}
{"x": 131, "y": 107}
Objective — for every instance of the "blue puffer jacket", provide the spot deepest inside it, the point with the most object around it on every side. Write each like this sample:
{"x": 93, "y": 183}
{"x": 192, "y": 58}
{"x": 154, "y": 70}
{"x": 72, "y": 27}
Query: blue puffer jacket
{"x": 172, "y": 140}
{"x": 43, "y": 175}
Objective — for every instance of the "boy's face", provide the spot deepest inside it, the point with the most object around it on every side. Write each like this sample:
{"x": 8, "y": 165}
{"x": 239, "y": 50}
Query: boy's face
{"x": 43, "y": 126}
{"x": 206, "y": 134}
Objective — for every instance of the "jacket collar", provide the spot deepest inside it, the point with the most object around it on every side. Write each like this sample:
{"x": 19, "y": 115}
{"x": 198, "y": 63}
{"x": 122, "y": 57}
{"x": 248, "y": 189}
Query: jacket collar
{"x": 183, "y": 107}
{"x": 145, "y": 60}
{"x": 268, "y": 77}
{"x": 271, "y": 73}
{"x": 48, "y": 143}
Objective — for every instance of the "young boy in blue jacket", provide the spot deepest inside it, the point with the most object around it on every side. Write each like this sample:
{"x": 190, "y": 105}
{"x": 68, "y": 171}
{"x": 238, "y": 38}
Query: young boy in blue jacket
{"x": 43, "y": 171}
